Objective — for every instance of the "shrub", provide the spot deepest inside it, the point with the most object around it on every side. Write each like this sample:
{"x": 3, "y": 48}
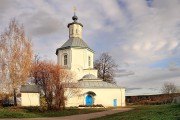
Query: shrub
{"x": 43, "y": 105}
{"x": 31, "y": 108}
{"x": 151, "y": 99}
{"x": 96, "y": 105}
{"x": 7, "y": 102}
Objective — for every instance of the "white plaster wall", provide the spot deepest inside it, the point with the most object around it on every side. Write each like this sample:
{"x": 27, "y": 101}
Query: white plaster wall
{"x": 30, "y": 99}
{"x": 77, "y": 62}
{"x": 80, "y": 62}
{"x": 104, "y": 96}
{"x": 60, "y": 58}
{"x": 80, "y": 57}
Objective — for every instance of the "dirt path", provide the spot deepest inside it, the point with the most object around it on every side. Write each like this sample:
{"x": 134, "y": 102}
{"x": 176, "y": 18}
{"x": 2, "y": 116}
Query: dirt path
{"x": 81, "y": 116}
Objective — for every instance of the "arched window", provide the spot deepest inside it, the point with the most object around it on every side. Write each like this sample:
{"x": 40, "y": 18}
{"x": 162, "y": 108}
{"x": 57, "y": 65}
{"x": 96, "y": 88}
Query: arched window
{"x": 72, "y": 31}
{"x": 65, "y": 59}
{"x": 89, "y": 61}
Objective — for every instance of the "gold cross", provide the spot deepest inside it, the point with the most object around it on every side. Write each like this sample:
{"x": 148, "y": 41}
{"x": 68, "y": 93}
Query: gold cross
{"x": 74, "y": 9}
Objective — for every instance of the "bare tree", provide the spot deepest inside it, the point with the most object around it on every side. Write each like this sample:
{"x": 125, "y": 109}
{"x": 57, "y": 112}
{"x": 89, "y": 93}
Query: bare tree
{"x": 169, "y": 88}
{"x": 15, "y": 57}
{"x": 106, "y": 67}
{"x": 53, "y": 80}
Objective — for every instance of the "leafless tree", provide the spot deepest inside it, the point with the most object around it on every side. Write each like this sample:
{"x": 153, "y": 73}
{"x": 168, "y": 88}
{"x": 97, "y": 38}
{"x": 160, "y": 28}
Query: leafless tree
{"x": 54, "y": 81}
{"x": 15, "y": 57}
{"x": 169, "y": 88}
{"x": 106, "y": 67}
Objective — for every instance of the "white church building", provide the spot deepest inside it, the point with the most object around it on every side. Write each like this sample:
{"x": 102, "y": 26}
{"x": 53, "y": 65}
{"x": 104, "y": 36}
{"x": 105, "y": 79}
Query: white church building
{"x": 77, "y": 56}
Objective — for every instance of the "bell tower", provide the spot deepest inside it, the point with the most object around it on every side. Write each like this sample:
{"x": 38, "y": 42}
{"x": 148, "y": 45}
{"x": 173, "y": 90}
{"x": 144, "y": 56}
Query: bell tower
{"x": 75, "y": 54}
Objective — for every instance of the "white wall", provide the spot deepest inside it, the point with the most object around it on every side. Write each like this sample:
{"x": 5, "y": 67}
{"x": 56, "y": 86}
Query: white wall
{"x": 75, "y": 30}
{"x": 80, "y": 57}
{"x": 104, "y": 96}
{"x": 60, "y": 58}
{"x": 77, "y": 61}
{"x": 30, "y": 99}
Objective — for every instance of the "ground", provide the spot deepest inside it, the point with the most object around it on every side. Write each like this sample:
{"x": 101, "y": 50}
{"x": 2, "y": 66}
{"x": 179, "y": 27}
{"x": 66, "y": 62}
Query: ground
{"x": 32, "y": 112}
{"x": 148, "y": 112}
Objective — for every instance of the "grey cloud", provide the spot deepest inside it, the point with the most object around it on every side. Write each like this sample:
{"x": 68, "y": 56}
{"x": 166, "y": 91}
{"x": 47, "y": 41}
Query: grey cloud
{"x": 142, "y": 91}
{"x": 149, "y": 36}
{"x": 123, "y": 72}
{"x": 132, "y": 89}
{"x": 150, "y": 78}
{"x": 174, "y": 67}
{"x": 42, "y": 23}
{"x": 6, "y": 4}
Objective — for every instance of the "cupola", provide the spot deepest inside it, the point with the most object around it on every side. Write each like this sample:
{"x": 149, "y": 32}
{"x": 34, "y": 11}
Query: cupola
{"x": 75, "y": 28}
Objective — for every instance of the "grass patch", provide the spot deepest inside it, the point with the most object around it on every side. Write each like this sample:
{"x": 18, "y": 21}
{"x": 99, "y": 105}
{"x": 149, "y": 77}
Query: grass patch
{"x": 149, "y": 112}
{"x": 29, "y": 112}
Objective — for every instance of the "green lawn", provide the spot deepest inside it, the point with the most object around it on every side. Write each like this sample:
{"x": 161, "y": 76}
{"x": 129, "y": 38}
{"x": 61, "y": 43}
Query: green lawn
{"x": 149, "y": 112}
{"x": 30, "y": 112}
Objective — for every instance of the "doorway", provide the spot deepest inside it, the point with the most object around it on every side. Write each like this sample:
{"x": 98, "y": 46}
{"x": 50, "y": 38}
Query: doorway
{"x": 115, "y": 102}
{"x": 89, "y": 100}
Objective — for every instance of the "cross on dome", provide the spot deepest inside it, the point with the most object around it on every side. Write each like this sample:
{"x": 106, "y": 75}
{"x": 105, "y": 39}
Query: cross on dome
{"x": 75, "y": 18}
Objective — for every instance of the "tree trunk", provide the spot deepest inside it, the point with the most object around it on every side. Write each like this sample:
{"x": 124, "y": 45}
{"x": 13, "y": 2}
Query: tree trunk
{"x": 15, "y": 101}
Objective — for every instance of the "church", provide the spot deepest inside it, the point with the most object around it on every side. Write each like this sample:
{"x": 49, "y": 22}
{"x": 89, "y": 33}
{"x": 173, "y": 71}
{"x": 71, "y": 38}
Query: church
{"x": 76, "y": 56}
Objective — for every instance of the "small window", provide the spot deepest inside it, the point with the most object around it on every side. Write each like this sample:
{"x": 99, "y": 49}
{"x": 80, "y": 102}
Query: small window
{"x": 65, "y": 59}
{"x": 77, "y": 31}
{"x": 71, "y": 31}
{"x": 89, "y": 61}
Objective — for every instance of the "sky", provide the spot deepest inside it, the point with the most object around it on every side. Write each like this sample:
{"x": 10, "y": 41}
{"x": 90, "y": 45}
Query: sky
{"x": 143, "y": 36}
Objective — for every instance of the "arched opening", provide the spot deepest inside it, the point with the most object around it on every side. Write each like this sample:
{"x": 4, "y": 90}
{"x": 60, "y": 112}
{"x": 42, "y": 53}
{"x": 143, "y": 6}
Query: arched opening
{"x": 65, "y": 59}
{"x": 89, "y": 61}
{"x": 90, "y": 98}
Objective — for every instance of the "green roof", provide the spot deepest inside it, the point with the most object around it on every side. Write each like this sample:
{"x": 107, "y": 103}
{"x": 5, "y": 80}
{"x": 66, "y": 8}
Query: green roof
{"x": 74, "y": 42}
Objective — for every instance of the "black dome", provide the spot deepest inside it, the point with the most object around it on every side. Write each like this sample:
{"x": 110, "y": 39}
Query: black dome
{"x": 75, "y": 18}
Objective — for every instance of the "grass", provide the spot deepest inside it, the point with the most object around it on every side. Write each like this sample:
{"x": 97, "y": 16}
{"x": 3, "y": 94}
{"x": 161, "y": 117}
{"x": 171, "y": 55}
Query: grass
{"x": 149, "y": 112}
{"x": 29, "y": 112}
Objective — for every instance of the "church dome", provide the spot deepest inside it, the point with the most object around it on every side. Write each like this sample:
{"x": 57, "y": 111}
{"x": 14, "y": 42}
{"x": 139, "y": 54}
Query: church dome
{"x": 89, "y": 76}
{"x": 75, "y": 18}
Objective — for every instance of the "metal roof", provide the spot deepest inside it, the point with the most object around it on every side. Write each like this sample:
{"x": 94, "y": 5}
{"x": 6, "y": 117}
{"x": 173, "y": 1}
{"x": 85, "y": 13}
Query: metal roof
{"x": 74, "y": 23}
{"x": 74, "y": 42}
{"x": 29, "y": 89}
{"x": 96, "y": 84}
{"x": 89, "y": 76}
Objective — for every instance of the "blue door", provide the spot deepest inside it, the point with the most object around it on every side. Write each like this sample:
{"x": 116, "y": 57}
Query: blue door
{"x": 89, "y": 100}
{"x": 115, "y": 102}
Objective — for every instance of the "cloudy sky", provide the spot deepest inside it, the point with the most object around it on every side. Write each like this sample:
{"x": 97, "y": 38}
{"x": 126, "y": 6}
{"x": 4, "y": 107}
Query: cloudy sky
{"x": 143, "y": 36}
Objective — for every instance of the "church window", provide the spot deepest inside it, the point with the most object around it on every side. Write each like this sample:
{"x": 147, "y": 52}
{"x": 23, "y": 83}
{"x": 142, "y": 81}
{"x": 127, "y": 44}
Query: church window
{"x": 76, "y": 31}
{"x": 65, "y": 59}
{"x": 89, "y": 61}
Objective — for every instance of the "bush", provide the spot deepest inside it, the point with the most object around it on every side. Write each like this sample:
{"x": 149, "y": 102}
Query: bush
{"x": 43, "y": 105}
{"x": 7, "y": 103}
{"x": 151, "y": 99}
{"x": 31, "y": 108}
{"x": 97, "y": 105}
